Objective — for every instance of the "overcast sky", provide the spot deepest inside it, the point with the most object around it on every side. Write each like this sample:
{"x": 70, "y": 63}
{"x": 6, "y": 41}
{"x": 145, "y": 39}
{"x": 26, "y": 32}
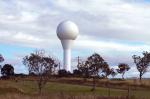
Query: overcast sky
{"x": 116, "y": 29}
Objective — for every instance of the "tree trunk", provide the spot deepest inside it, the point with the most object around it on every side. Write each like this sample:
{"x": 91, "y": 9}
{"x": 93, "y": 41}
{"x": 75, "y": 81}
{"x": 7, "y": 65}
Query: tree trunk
{"x": 94, "y": 84}
{"x": 84, "y": 79}
{"x": 85, "y": 76}
{"x": 122, "y": 75}
{"x": 140, "y": 76}
{"x": 40, "y": 84}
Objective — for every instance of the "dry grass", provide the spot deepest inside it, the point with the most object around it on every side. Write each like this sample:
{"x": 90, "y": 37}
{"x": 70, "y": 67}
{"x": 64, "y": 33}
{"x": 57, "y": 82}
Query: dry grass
{"x": 57, "y": 96}
{"x": 74, "y": 88}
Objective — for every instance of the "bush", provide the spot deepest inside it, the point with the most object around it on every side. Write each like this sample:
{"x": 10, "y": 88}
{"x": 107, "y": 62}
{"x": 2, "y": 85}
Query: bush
{"x": 64, "y": 73}
{"x": 77, "y": 73}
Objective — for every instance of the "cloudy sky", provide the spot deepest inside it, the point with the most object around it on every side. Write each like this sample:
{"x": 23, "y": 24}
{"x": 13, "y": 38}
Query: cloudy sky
{"x": 116, "y": 29}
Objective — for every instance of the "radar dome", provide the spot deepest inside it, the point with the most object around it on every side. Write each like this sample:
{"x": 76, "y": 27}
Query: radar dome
{"x": 67, "y": 30}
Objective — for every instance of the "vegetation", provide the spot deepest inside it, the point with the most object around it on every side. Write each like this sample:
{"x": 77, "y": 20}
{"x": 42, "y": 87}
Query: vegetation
{"x": 40, "y": 65}
{"x": 7, "y": 70}
{"x": 64, "y": 73}
{"x": 96, "y": 65}
{"x": 46, "y": 80}
{"x": 122, "y": 68}
{"x": 112, "y": 72}
{"x": 29, "y": 89}
{"x": 1, "y": 58}
{"x": 57, "y": 96}
{"x": 142, "y": 63}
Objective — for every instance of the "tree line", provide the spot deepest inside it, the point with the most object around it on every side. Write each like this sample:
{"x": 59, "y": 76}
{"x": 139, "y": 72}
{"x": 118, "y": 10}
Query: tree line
{"x": 45, "y": 66}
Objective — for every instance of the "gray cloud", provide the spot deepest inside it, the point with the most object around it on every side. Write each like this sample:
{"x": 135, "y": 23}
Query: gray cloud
{"x": 114, "y": 19}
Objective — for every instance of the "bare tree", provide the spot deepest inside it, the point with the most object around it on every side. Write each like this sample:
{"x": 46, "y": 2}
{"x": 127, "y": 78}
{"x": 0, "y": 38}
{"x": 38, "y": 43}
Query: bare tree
{"x": 1, "y": 60}
{"x": 142, "y": 63}
{"x": 122, "y": 68}
{"x": 41, "y": 65}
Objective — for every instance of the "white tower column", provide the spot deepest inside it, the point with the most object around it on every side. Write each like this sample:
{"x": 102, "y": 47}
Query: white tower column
{"x": 67, "y": 59}
{"x": 67, "y": 45}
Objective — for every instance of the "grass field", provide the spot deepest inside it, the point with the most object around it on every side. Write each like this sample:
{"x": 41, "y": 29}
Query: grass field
{"x": 30, "y": 88}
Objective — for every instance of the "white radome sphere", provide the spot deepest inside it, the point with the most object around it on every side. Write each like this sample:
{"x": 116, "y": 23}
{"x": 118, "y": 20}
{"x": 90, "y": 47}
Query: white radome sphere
{"x": 67, "y": 30}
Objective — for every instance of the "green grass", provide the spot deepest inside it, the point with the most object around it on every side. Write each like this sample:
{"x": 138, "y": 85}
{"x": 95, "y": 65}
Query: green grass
{"x": 30, "y": 87}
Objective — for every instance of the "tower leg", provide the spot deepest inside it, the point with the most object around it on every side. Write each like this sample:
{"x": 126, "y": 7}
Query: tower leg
{"x": 67, "y": 59}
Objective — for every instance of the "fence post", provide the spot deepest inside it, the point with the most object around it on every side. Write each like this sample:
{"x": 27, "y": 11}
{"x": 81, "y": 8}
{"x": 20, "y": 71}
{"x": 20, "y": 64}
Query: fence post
{"x": 129, "y": 92}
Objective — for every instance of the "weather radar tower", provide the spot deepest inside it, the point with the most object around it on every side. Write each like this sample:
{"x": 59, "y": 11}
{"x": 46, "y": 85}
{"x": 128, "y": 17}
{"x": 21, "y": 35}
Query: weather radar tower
{"x": 67, "y": 32}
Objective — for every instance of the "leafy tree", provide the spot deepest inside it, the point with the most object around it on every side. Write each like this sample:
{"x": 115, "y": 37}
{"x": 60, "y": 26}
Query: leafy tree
{"x": 95, "y": 64}
{"x": 105, "y": 70}
{"x": 122, "y": 68}
{"x": 142, "y": 63}
{"x": 7, "y": 70}
{"x": 41, "y": 65}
